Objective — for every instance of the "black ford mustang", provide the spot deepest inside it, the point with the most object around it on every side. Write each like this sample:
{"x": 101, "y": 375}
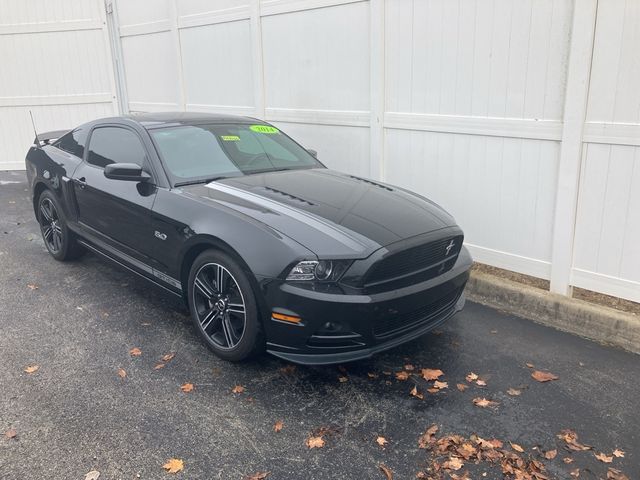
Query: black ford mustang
{"x": 269, "y": 248}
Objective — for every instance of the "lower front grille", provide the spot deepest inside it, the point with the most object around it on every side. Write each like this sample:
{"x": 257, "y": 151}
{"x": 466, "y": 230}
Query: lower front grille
{"x": 417, "y": 318}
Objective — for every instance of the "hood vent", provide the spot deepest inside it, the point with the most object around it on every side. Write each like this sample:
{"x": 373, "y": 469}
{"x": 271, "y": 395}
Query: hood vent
{"x": 288, "y": 195}
{"x": 371, "y": 182}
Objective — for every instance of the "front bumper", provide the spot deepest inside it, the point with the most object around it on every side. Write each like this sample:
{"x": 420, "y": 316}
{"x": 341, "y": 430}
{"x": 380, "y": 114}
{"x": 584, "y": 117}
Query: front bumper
{"x": 337, "y": 328}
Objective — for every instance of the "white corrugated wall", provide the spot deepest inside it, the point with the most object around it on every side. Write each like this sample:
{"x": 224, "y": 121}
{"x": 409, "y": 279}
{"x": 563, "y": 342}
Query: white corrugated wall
{"x": 55, "y": 61}
{"x": 521, "y": 118}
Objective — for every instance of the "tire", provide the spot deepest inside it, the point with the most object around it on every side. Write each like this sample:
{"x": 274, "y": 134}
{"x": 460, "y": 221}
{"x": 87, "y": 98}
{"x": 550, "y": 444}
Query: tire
{"x": 227, "y": 319}
{"x": 60, "y": 241}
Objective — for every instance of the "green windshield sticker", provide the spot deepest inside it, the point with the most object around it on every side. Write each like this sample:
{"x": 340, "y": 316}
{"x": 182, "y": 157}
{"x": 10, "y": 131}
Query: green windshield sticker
{"x": 230, "y": 138}
{"x": 264, "y": 129}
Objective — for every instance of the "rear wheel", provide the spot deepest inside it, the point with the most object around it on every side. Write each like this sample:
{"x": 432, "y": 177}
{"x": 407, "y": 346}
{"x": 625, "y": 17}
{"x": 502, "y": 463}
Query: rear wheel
{"x": 223, "y": 306}
{"x": 59, "y": 240}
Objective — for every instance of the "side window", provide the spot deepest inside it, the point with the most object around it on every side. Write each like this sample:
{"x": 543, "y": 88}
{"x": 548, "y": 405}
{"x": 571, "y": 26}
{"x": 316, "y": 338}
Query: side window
{"x": 73, "y": 142}
{"x": 115, "y": 145}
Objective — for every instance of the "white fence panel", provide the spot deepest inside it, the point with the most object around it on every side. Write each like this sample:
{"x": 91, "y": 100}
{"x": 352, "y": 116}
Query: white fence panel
{"x": 463, "y": 102}
{"x": 56, "y": 62}
{"x": 607, "y": 242}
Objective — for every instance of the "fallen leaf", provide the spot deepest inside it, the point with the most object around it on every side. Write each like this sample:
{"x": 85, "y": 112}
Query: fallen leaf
{"x": 237, "y": 389}
{"x": 11, "y": 433}
{"x": 614, "y": 474}
{"x": 440, "y": 385}
{"x": 571, "y": 439}
{"x": 402, "y": 375}
{"x": 461, "y": 386}
{"x": 315, "y": 442}
{"x": 372, "y": 375}
{"x": 453, "y": 463}
{"x": 428, "y": 437}
{"x": 409, "y": 368}
{"x": 618, "y": 453}
{"x": 516, "y": 447}
{"x": 567, "y": 460}
{"x": 187, "y": 387}
{"x": 278, "y": 426}
{"x": 414, "y": 392}
{"x": 173, "y": 465}
{"x": 257, "y": 476}
{"x": 122, "y": 373}
{"x": 472, "y": 377}
{"x": 32, "y": 368}
{"x": 159, "y": 366}
{"x": 288, "y": 369}
{"x": 543, "y": 376}
{"x": 168, "y": 356}
{"x": 484, "y": 402}
{"x": 481, "y": 383}
{"x": 32, "y": 286}
{"x": 575, "y": 473}
{"x": 135, "y": 352}
{"x": 92, "y": 475}
{"x": 603, "y": 458}
{"x": 514, "y": 392}
{"x": 342, "y": 379}
{"x": 530, "y": 365}
{"x": 551, "y": 454}
{"x": 387, "y": 473}
{"x": 381, "y": 441}
{"x": 432, "y": 390}
{"x": 431, "y": 374}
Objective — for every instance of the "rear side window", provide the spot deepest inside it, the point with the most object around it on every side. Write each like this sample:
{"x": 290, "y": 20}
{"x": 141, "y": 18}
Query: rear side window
{"x": 115, "y": 145}
{"x": 73, "y": 142}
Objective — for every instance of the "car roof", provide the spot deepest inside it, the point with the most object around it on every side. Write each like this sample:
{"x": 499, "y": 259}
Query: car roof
{"x": 167, "y": 119}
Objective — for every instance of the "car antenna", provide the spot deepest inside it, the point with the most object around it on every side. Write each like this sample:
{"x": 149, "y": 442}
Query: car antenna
{"x": 37, "y": 142}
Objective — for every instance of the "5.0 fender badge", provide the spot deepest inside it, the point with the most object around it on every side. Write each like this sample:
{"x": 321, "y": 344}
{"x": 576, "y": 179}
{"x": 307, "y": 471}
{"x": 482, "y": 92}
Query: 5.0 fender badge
{"x": 161, "y": 236}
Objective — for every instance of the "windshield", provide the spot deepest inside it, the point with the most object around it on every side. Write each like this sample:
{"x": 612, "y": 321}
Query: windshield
{"x": 193, "y": 153}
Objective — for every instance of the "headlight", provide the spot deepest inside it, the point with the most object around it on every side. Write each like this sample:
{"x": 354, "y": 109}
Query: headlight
{"x": 320, "y": 270}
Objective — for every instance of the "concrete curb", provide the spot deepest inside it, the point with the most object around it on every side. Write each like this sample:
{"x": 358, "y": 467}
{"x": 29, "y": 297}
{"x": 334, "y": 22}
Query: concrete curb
{"x": 595, "y": 322}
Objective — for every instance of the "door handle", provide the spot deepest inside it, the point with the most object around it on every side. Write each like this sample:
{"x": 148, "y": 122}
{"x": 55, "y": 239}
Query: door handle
{"x": 81, "y": 182}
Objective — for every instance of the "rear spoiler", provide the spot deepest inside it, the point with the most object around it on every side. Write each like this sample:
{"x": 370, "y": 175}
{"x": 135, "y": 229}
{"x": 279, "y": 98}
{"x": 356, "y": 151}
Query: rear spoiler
{"x": 47, "y": 138}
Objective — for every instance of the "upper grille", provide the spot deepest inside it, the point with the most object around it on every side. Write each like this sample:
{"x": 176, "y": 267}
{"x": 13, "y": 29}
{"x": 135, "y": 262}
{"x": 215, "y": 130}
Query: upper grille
{"x": 417, "y": 259}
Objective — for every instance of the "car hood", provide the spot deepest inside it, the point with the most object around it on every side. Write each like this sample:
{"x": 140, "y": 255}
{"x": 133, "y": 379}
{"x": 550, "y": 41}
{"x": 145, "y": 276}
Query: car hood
{"x": 331, "y": 213}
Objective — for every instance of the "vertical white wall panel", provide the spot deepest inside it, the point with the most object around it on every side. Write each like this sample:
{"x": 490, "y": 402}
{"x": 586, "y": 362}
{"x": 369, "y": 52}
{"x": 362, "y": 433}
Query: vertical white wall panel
{"x": 318, "y": 59}
{"x": 56, "y": 62}
{"x": 495, "y": 58}
{"x": 220, "y": 76}
{"x": 140, "y": 12}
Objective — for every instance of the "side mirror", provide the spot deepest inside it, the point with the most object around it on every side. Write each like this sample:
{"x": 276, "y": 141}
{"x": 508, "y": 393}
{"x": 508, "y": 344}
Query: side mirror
{"x": 126, "y": 171}
{"x": 313, "y": 152}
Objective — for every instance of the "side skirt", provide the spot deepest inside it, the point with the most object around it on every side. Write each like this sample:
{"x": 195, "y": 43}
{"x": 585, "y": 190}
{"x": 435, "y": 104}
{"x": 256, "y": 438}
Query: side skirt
{"x": 123, "y": 263}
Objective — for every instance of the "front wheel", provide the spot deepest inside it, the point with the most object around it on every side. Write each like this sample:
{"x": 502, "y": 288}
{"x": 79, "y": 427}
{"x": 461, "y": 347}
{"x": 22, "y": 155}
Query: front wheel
{"x": 223, "y": 307}
{"x": 59, "y": 240}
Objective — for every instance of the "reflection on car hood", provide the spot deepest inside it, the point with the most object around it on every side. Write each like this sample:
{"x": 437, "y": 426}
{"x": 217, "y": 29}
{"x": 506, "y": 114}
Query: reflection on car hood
{"x": 331, "y": 213}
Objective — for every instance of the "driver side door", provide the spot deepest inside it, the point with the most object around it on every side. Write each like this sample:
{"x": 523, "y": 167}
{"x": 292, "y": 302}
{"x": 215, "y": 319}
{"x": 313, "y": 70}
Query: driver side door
{"x": 116, "y": 213}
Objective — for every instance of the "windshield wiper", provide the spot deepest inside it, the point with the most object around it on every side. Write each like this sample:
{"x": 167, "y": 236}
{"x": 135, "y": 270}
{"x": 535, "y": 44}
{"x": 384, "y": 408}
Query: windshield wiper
{"x": 195, "y": 182}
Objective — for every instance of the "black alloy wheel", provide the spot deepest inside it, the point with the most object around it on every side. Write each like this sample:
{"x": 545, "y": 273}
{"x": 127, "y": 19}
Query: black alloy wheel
{"x": 59, "y": 240}
{"x": 223, "y": 306}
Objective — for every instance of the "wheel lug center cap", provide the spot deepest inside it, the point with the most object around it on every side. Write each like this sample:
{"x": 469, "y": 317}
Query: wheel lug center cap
{"x": 221, "y": 304}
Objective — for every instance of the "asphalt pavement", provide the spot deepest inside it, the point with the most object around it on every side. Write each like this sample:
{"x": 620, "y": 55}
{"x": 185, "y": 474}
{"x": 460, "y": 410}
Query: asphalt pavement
{"x": 79, "y": 321}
